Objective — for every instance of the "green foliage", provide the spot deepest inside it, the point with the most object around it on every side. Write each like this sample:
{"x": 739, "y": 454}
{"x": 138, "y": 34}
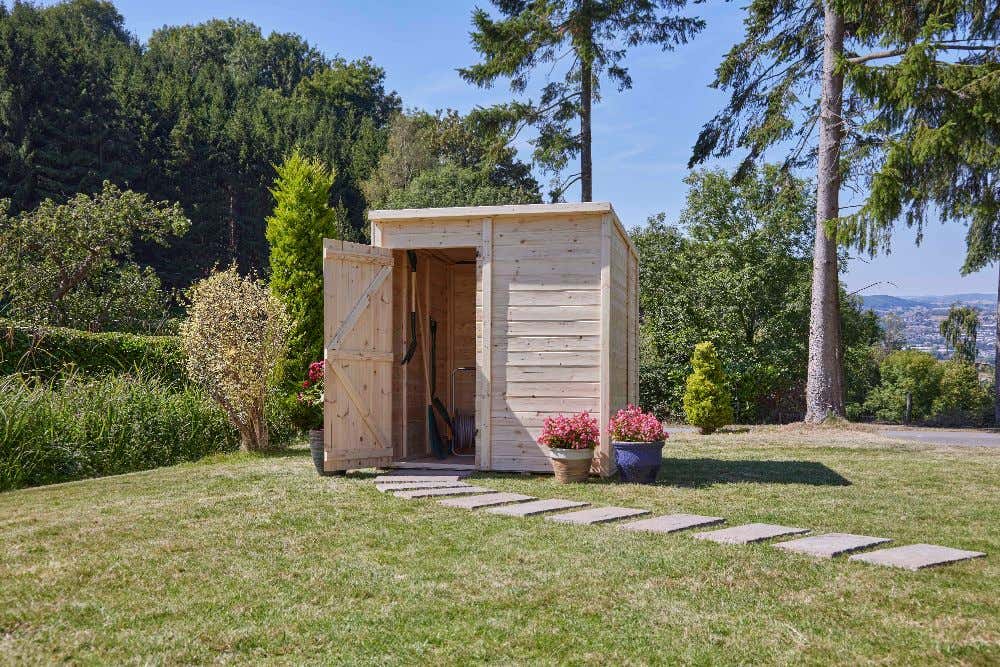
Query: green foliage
{"x": 72, "y": 264}
{"x": 906, "y": 372}
{"x": 48, "y": 352}
{"x": 596, "y": 34}
{"x": 197, "y": 115}
{"x": 959, "y": 331}
{"x": 75, "y": 427}
{"x": 931, "y": 101}
{"x": 451, "y": 185}
{"x": 735, "y": 270}
{"x": 302, "y": 218}
{"x": 69, "y": 114}
{"x": 707, "y": 402}
{"x": 437, "y": 147}
{"x": 962, "y": 400}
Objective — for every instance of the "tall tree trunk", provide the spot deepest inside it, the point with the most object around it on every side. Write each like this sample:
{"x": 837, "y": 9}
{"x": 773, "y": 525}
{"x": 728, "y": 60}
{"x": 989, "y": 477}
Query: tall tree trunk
{"x": 586, "y": 163}
{"x": 996, "y": 356}
{"x": 825, "y": 382}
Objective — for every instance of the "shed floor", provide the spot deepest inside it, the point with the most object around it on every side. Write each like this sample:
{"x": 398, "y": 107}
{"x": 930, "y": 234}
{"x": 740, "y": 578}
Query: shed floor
{"x": 464, "y": 462}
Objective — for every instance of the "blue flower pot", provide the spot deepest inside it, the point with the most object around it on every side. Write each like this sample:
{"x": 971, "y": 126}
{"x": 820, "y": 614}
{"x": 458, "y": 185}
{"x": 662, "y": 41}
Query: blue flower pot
{"x": 638, "y": 462}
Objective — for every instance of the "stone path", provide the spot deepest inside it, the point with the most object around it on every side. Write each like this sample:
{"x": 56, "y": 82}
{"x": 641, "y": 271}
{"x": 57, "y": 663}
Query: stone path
{"x": 450, "y": 491}
{"x": 486, "y": 500}
{"x": 536, "y": 507}
{"x": 596, "y": 515}
{"x": 830, "y": 544}
{"x": 749, "y": 533}
{"x": 916, "y": 556}
{"x": 404, "y": 486}
{"x": 671, "y": 523}
{"x": 414, "y": 484}
{"x": 398, "y": 476}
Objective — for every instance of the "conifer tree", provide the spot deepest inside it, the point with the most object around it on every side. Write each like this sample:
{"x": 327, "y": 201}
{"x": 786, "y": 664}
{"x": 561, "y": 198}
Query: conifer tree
{"x": 592, "y": 37}
{"x": 302, "y": 218}
{"x": 707, "y": 401}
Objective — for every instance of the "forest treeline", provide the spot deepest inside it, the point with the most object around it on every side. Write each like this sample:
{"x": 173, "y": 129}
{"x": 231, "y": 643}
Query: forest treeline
{"x": 199, "y": 115}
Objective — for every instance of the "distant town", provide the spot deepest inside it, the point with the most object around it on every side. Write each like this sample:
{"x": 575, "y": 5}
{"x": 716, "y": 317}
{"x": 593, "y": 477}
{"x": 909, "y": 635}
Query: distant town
{"x": 922, "y": 315}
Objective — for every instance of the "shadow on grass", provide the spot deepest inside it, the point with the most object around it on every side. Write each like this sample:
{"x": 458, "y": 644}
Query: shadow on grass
{"x": 707, "y": 472}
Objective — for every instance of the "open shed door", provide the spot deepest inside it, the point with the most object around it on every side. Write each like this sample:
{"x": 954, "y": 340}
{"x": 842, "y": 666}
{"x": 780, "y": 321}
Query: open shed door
{"x": 357, "y": 325}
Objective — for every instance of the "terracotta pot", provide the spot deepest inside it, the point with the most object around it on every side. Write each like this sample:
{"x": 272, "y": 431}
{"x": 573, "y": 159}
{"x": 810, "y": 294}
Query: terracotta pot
{"x": 571, "y": 465}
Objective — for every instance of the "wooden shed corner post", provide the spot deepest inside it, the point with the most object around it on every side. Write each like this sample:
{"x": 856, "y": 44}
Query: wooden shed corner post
{"x": 484, "y": 358}
{"x": 604, "y": 461}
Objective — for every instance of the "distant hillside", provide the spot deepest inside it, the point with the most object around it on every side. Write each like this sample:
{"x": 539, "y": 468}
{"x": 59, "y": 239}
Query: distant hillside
{"x": 881, "y": 302}
{"x": 878, "y": 302}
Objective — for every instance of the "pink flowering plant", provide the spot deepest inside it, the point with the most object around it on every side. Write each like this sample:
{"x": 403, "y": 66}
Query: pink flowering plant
{"x": 631, "y": 424}
{"x": 312, "y": 386}
{"x": 579, "y": 431}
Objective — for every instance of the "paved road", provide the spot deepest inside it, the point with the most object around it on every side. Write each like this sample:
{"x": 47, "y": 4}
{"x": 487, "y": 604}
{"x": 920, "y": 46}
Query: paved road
{"x": 967, "y": 438}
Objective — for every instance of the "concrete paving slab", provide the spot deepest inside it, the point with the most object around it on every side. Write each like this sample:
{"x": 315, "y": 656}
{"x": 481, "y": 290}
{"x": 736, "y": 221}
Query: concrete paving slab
{"x": 916, "y": 556}
{"x": 749, "y": 533}
{"x": 449, "y": 491}
{"x": 536, "y": 507}
{"x": 671, "y": 523}
{"x": 405, "y": 486}
{"x": 596, "y": 515}
{"x": 421, "y": 476}
{"x": 830, "y": 544}
{"x": 487, "y": 500}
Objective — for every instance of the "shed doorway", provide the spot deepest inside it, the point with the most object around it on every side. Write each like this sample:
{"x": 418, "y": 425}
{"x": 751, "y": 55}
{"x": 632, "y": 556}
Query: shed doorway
{"x": 434, "y": 294}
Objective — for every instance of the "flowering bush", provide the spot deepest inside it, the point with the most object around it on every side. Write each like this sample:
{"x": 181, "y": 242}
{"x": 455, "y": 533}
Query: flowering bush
{"x": 312, "y": 386}
{"x": 580, "y": 431}
{"x": 631, "y": 424}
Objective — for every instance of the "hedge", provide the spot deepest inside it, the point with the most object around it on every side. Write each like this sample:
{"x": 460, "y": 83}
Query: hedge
{"x": 51, "y": 351}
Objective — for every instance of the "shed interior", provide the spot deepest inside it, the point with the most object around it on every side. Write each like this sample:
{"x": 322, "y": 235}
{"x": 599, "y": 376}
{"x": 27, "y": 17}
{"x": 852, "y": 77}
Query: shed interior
{"x": 441, "y": 296}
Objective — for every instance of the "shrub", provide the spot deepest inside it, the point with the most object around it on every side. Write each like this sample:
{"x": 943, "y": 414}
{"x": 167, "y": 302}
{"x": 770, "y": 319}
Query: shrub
{"x": 962, "y": 399}
{"x": 302, "y": 218}
{"x": 906, "y": 372}
{"x": 707, "y": 402}
{"x": 75, "y": 427}
{"x": 579, "y": 431}
{"x": 51, "y": 351}
{"x": 234, "y": 340}
{"x": 73, "y": 263}
{"x": 631, "y": 424}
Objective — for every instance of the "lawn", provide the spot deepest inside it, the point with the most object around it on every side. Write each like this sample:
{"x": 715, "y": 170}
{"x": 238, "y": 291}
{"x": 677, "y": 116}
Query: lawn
{"x": 243, "y": 558}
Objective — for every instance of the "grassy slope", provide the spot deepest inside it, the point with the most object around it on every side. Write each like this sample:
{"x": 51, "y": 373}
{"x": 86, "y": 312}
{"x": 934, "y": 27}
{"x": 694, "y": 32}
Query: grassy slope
{"x": 244, "y": 558}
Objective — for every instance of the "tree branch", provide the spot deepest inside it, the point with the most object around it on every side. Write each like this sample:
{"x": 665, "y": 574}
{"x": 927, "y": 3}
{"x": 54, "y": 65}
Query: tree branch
{"x": 940, "y": 46}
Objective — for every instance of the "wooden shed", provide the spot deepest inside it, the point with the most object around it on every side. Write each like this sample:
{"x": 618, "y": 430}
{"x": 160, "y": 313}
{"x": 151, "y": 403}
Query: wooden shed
{"x": 526, "y": 311}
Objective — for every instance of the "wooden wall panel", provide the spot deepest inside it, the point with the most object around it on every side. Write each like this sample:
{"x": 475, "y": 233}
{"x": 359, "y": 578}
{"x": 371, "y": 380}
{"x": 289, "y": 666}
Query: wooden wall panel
{"x": 545, "y": 349}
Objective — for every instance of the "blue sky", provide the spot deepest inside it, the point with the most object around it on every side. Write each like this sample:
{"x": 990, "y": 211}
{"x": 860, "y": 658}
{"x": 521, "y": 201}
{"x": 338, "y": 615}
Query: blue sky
{"x": 642, "y": 137}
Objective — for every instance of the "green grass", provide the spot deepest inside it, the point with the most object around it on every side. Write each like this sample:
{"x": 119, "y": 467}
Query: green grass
{"x": 258, "y": 559}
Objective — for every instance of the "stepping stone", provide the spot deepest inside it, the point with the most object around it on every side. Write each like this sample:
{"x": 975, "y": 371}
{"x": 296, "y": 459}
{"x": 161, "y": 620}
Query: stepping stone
{"x": 536, "y": 507}
{"x": 422, "y": 476}
{"x": 916, "y": 556}
{"x": 748, "y": 533}
{"x": 830, "y": 544}
{"x": 596, "y": 515}
{"x": 474, "y": 502}
{"x": 404, "y": 486}
{"x": 671, "y": 523}
{"x": 449, "y": 491}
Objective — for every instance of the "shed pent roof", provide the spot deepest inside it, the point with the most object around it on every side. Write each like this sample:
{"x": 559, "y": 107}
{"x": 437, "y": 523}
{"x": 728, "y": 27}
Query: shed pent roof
{"x": 517, "y": 210}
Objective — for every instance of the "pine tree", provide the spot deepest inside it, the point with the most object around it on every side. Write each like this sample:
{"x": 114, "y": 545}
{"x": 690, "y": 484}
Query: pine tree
{"x": 707, "y": 402}
{"x": 593, "y": 36}
{"x": 302, "y": 218}
{"x": 933, "y": 92}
